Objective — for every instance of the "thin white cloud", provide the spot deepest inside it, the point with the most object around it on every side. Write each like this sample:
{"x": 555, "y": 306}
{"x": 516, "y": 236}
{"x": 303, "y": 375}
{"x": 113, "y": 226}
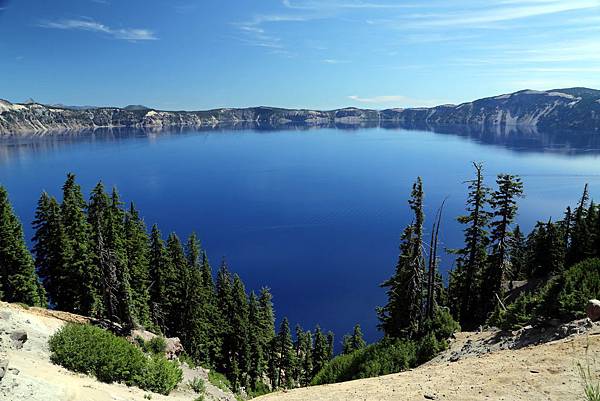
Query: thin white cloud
{"x": 131, "y": 34}
{"x": 334, "y": 61}
{"x": 480, "y": 17}
{"x": 348, "y": 4}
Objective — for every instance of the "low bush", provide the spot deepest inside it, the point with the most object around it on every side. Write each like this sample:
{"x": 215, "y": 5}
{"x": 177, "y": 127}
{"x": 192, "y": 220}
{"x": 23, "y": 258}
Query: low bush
{"x": 260, "y": 389}
{"x": 385, "y": 357}
{"x": 563, "y": 297}
{"x": 391, "y": 356}
{"x": 154, "y": 346}
{"x": 91, "y": 350}
{"x": 197, "y": 385}
{"x": 218, "y": 380}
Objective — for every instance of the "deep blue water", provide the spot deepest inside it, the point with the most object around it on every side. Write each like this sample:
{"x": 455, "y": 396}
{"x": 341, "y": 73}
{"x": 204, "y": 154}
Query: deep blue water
{"x": 315, "y": 215}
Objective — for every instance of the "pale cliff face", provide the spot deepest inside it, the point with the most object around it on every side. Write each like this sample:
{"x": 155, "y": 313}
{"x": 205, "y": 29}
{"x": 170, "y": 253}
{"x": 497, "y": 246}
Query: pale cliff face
{"x": 576, "y": 108}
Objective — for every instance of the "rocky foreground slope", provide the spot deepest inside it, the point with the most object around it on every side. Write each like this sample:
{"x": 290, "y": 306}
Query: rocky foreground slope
{"x": 528, "y": 365}
{"x": 573, "y": 108}
{"x": 482, "y": 366}
{"x": 26, "y": 373}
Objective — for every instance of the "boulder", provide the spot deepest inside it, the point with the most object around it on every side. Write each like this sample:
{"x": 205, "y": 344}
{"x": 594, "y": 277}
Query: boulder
{"x": 3, "y": 368}
{"x": 593, "y": 310}
{"x": 143, "y": 334}
{"x": 18, "y": 338}
{"x": 173, "y": 348}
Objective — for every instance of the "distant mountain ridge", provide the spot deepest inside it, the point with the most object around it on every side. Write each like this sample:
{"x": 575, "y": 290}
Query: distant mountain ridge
{"x": 571, "y": 108}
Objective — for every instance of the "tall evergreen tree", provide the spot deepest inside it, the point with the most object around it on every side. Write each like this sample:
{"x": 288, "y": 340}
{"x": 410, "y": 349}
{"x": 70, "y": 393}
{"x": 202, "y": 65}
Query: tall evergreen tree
{"x": 286, "y": 358}
{"x": 402, "y": 315}
{"x": 137, "y": 249}
{"x": 353, "y": 342}
{"x": 174, "y": 279}
{"x": 157, "y": 265}
{"x": 83, "y": 273}
{"x": 579, "y": 244}
{"x": 241, "y": 325}
{"x": 504, "y": 205}
{"x": 465, "y": 280}
{"x": 320, "y": 351}
{"x": 52, "y": 252}
{"x": 118, "y": 247}
{"x": 18, "y": 280}
{"x": 258, "y": 361}
{"x": 517, "y": 255}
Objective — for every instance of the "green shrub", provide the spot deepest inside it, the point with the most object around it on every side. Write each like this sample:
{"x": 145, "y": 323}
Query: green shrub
{"x": 160, "y": 376}
{"x": 563, "y": 297}
{"x": 260, "y": 389}
{"x": 154, "y": 346}
{"x": 197, "y": 385}
{"x": 518, "y": 314}
{"x": 581, "y": 283}
{"x": 385, "y": 357}
{"x": 218, "y": 380}
{"x": 91, "y": 350}
{"x": 442, "y": 325}
{"x": 428, "y": 347}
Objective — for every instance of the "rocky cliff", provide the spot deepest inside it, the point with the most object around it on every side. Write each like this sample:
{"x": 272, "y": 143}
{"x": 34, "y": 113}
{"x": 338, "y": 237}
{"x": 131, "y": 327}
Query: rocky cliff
{"x": 574, "y": 108}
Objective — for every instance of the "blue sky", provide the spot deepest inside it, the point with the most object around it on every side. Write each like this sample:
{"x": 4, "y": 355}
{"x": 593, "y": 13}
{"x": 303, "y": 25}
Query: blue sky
{"x": 199, "y": 54}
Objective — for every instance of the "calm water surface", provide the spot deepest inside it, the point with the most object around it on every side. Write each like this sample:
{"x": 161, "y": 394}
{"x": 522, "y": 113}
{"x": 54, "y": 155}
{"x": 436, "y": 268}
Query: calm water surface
{"x": 315, "y": 215}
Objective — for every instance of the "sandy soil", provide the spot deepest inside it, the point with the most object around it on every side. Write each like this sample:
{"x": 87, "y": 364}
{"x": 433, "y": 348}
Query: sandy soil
{"x": 32, "y": 377}
{"x": 546, "y": 373}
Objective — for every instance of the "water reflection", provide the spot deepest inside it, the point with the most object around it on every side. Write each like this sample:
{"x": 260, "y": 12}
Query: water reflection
{"x": 518, "y": 139}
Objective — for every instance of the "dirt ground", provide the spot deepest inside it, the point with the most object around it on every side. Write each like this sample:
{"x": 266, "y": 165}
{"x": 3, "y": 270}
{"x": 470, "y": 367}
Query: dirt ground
{"x": 545, "y": 372}
{"x": 32, "y": 377}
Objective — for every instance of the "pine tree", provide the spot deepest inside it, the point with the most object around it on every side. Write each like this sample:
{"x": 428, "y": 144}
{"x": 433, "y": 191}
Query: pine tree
{"x": 240, "y": 324}
{"x": 198, "y": 331}
{"x": 156, "y": 266}
{"x": 353, "y": 342}
{"x": 83, "y": 275}
{"x": 137, "y": 249}
{"x": 286, "y": 359}
{"x": 399, "y": 317}
{"x": 319, "y": 352}
{"x": 580, "y": 231}
{"x": 225, "y": 304}
{"x": 118, "y": 247}
{"x": 330, "y": 346}
{"x": 18, "y": 280}
{"x": 403, "y": 314}
{"x": 465, "y": 289}
{"x": 307, "y": 360}
{"x": 517, "y": 255}
{"x": 258, "y": 363}
{"x": 358, "y": 342}
{"x": 51, "y": 252}
{"x": 101, "y": 278}
{"x": 504, "y": 206}
{"x": 174, "y": 277}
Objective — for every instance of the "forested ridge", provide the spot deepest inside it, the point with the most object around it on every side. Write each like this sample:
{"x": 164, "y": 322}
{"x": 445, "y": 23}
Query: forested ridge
{"x": 96, "y": 258}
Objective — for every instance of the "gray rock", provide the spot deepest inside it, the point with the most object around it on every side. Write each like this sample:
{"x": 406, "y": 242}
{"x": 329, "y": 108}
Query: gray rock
{"x": 18, "y": 338}
{"x": 3, "y": 368}
{"x": 593, "y": 310}
{"x": 19, "y": 335}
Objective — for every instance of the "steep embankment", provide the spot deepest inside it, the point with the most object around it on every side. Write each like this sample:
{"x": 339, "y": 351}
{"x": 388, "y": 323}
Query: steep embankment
{"x": 482, "y": 370}
{"x": 573, "y": 108}
{"x": 29, "y": 374}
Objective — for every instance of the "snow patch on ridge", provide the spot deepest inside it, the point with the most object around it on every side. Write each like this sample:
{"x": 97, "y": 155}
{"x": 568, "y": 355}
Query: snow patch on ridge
{"x": 8, "y": 106}
{"x": 560, "y": 94}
